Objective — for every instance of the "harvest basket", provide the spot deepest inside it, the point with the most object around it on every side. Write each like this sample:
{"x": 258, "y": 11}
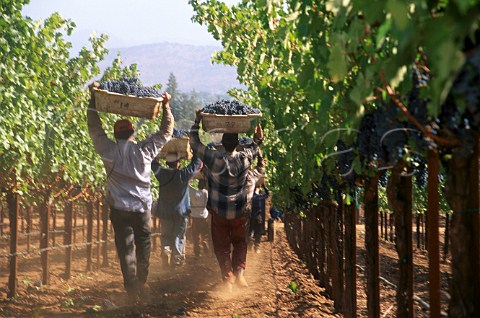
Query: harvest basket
{"x": 128, "y": 105}
{"x": 228, "y": 123}
{"x": 179, "y": 146}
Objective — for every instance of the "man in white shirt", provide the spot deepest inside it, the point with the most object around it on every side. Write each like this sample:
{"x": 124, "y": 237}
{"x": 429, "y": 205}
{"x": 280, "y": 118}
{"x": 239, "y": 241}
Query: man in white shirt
{"x": 127, "y": 165}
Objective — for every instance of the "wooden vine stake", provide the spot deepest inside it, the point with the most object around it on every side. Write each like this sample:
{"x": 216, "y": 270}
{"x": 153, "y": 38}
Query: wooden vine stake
{"x": 433, "y": 236}
{"x": 13, "y": 208}
{"x": 350, "y": 296}
{"x": 371, "y": 246}
{"x": 67, "y": 240}
{"x": 45, "y": 236}
{"x": 89, "y": 234}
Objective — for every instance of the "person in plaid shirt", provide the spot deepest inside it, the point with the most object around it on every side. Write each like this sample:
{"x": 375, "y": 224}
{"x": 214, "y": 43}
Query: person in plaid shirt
{"x": 227, "y": 198}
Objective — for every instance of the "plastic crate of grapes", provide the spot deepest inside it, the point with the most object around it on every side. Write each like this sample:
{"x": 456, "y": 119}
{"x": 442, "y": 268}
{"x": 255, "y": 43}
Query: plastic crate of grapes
{"x": 228, "y": 123}
{"x": 128, "y": 105}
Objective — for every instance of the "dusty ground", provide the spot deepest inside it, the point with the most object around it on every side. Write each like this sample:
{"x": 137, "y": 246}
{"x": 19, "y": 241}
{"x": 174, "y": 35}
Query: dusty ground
{"x": 195, "y": 289}
{"x": 389, "y": 272}
{"x": 191, "y": 291}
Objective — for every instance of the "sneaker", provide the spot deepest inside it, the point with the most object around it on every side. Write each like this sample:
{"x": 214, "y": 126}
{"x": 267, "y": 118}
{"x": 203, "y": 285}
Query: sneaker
{"x": 166, "y": 257}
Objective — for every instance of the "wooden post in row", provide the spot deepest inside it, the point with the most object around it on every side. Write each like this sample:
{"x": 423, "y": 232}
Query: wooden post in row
{"x": 371, "y": 245}
{"x": 328, "y": 249}
{"x": 54, "y": 226}
{"x": 433, "y": 240}
{"x": 68, "y": 213}
{"x": 105, "y": 211}
{"x": 350, "y": 296}
{"x": 99, "y": 218}
{"x": 45, "y": 213}
{"x": 29, "y": 225}
{"x": 1, "y": 219}
{"x": 89, "y": 235}
{"x": 321, "y": 240}
{"x": 403, "y": 241}
{"x": 337, "y": 254}
{"x": 13, "y": 209}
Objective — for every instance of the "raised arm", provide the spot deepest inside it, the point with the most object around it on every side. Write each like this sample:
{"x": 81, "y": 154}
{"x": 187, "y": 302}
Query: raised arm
{"x": 193, "y": 167}
{"x": 154, "y": 144}
{"x": 95, "y": 129}
{"x": 199, "y": 149}
{"x": 254, "y": 150}
{"x": 166, "y": 126}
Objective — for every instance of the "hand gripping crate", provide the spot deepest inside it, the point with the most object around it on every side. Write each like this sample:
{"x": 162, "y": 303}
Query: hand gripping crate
{"x": 128, "y": 105}
{"x": 228, "y": 123}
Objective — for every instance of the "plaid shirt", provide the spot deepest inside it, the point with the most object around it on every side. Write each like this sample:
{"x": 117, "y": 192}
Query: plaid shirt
{"x": 227, "y": 176}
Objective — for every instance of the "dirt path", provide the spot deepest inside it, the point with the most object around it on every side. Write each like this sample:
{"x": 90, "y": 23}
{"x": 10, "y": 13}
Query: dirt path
{"x": 194, "y": 290}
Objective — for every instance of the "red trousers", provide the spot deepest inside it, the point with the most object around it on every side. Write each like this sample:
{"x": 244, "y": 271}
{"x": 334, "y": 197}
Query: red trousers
{"x": 227, "y": 233}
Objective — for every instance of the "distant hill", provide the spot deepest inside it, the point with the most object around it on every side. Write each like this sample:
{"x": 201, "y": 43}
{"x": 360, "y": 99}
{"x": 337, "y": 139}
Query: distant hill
{"x": 190, "y": 64}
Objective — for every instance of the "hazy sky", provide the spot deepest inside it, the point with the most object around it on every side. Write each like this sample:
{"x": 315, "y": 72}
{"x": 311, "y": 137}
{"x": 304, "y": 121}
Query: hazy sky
{"x": 127, "y": 22}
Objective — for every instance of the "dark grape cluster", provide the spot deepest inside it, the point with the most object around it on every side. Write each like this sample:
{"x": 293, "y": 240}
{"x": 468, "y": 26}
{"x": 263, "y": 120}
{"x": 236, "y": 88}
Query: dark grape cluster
{"x": 179, "y": 133}
{"x": 420, "y": 171}
{"x": 382, "y": 136}
{"x": 460, "y": 114}
{"x": 229, "y": 107}
{"x": 245, "y": 140}
{"x": 383, "y": 178}
{"x": 368, "y": 140}
{"x": 214, "y": 145}
{"x": 417, "y": 106}
{"x": 130, "y": 86}
{"x": 345, "y": 161}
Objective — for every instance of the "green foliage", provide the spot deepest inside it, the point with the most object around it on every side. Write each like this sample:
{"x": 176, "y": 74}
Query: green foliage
{"x": 67, "y": 303}
{"x": 41, "y": 92}
{"x": 117, "y": 70}
{"x": 293, "y": 287}
{"x": 314, "y": 66}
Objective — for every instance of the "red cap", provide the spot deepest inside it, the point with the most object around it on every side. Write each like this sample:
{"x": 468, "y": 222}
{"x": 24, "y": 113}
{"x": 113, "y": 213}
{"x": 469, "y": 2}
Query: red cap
{"x": 122, "y": 125}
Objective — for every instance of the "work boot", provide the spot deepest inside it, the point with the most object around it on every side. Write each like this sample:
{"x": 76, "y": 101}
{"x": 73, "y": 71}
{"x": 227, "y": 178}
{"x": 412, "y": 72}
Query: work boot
{"x": 240, "y": 279}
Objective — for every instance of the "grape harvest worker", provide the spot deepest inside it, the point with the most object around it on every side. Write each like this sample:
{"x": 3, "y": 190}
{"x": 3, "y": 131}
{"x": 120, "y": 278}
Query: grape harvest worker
{"x": 173, "y": 206}
{"x": 200, "y": 226}
{"x": 127, "y": 165}
{"x": 227, "y": 198}
{"x": 254, "y": 177}
{"x": 256, "y": 225}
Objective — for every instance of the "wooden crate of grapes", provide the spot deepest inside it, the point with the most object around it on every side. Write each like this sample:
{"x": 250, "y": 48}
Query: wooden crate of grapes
{"x": 179, "y": 146}
{"x": 228, "y": 117}
{"x": 128, "y": 105}
{"x": 127, "y": 97}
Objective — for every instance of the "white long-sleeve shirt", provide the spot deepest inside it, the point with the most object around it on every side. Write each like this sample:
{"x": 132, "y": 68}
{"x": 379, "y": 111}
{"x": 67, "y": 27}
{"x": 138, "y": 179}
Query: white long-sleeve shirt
{"x": 198, "y": 203}
{"x": 128, "y": 163}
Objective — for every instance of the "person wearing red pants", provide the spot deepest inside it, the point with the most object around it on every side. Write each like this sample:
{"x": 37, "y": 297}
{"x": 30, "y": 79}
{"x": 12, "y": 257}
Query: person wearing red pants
{"x": 227, "y": 197}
